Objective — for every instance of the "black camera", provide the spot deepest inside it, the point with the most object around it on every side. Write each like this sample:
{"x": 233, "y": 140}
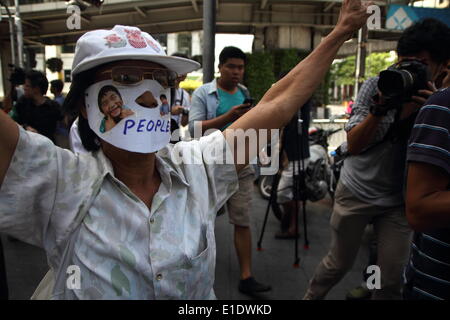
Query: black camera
{"x": 403, "y": 80}
{"x": 17, "y": 76}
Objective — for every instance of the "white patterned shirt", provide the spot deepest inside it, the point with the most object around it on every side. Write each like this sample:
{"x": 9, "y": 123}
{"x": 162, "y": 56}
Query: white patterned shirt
{"x": 123, "y": 249}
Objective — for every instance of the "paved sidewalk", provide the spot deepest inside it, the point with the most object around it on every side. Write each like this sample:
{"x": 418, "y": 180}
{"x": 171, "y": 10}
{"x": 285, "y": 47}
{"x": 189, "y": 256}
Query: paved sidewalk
{"x": 26, "y": 264}
{"x": 274, "y": 265}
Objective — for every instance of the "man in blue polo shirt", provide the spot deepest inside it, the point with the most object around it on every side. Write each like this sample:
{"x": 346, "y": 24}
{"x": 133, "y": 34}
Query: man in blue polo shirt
{"x": 216, "y": 105}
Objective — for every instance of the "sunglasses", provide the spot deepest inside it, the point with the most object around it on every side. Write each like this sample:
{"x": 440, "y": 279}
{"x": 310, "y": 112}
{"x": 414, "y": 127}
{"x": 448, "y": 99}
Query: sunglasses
{"x": 129, "y": 76}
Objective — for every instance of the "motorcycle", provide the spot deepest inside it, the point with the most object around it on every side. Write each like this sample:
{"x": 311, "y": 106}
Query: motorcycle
{"x": 321, "y": 172}
{"x": 265, "y": 181}
{"x": 326, "y": 168}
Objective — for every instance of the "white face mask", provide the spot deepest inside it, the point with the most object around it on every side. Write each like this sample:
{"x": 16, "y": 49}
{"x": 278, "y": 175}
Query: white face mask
{"x": 121, "y": 121}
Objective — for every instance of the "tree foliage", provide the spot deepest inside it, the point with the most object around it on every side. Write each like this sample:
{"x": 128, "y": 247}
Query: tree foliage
{"x": 343, "y": 72}
{"x": 259, "y": 75}
{"x": 264, "y": 67}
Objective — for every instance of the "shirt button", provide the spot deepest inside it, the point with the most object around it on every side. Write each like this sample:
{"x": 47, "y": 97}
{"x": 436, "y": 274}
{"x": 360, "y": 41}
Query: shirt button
{"x": 159, "y": 276}
{"x": 152, "y": 220}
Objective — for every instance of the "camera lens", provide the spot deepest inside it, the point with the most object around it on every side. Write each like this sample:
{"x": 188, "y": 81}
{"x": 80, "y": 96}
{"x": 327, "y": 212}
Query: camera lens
{"x": 403, "y": 80}
{"x": 394, "y": 83}
{"x": 390, "y": 83}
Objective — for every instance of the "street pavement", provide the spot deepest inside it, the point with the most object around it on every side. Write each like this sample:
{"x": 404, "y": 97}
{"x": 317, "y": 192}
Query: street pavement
{"x": 26, "y": 264}
{"x": 274, "y": 265}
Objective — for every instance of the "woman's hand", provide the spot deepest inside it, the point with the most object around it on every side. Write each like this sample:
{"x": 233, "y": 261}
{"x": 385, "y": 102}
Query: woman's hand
{"x": 31, "y": 129}
{"x": 352, "y": 17}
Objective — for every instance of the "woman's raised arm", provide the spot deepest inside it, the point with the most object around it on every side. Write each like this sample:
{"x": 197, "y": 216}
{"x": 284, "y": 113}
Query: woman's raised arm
{"x": 284, "y": 98}
{"x": 9, "y": 136}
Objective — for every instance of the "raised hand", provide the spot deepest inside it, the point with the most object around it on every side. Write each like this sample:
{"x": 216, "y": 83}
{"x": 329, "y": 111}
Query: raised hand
{"x": 352, "y": 17}
{"x": 31, "y": 129}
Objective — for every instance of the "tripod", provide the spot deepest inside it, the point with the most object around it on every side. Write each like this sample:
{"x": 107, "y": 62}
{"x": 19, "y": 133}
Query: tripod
{"x": 298, "y": 190}
{"x": 3, "y": 279}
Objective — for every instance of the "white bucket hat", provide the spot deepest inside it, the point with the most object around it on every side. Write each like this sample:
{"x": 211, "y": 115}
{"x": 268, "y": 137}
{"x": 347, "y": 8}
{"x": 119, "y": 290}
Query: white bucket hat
{"x": 97, "y": 47}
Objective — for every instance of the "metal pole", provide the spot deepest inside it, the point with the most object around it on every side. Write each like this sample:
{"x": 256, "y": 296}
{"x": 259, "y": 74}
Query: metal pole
{"x": 209, "y": 32}
{"x": 11, "y": 39}
{"x": 360, "y": 58}
{"x": 19, "y": 35}
{"x": 11, "y": 32}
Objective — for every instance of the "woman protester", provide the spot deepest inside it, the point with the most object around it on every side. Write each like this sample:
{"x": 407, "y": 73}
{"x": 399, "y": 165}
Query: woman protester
{"x": 134, "y": 217}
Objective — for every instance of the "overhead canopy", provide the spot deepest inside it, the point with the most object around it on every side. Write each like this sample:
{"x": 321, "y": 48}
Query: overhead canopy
{"x": 45, "y": 21}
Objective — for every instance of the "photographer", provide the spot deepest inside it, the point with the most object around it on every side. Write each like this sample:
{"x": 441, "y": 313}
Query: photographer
{"x": 295, "y": 145}
{"x": 372, "y": 177}
{"x": 34, "y": 111}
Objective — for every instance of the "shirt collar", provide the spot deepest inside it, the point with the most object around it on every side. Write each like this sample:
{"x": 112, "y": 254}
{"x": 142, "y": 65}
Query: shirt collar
{"x": 165, "y": 170}
{"x": 213, "y": 87}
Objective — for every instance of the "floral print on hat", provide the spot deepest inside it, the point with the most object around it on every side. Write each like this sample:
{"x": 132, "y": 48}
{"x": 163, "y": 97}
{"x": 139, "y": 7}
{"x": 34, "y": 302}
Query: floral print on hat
{"x": 135, "y": 38}
{"x": 114, "y": 41}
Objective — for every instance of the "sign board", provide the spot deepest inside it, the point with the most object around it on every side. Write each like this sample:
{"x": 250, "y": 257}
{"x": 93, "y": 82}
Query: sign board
{"x": 400, "y": 17}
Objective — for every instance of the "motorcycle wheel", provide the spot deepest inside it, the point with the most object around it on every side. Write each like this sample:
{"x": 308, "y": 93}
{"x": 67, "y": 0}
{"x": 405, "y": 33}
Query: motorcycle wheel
{"x": 265, "y": 186}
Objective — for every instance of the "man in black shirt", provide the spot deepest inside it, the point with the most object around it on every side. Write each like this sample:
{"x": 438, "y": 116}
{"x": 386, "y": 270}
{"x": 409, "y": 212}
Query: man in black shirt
{"x": 34, "y": 111}
{"x": 295, "y": 145}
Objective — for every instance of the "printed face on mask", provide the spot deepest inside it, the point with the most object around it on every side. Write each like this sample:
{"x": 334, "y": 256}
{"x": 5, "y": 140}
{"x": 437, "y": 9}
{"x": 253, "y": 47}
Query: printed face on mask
{"x": 111, "y": 105}
{"x": 128, "y": 106}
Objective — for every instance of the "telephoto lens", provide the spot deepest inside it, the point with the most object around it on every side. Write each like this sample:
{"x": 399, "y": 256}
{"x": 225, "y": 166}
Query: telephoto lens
{"x": 403, "y": 80}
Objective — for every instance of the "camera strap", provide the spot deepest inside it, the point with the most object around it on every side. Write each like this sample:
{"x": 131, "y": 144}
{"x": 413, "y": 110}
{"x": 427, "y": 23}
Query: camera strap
{"x": 395, "y": 126}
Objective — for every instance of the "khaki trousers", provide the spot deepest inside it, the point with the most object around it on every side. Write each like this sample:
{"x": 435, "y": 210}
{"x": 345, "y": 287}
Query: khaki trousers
{"x": 348, "y": 221}
{"x": 239, "y": 203}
